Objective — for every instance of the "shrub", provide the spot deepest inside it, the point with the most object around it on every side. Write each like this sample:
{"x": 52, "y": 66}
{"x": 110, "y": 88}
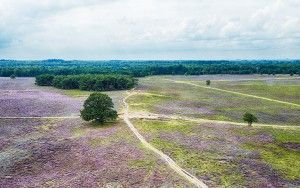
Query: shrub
{"x": 13, "y": 76}
{"x": 207, "y": 82}
{"x": 249, "y": 118}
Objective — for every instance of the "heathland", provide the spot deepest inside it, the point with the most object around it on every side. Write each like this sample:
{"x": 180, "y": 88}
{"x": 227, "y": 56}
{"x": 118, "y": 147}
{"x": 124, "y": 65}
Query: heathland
{"x": 44, "y": 142}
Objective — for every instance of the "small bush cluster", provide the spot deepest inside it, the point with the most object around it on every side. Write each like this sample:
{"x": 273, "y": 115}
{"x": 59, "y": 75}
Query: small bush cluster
{"x": 87, "y": 82}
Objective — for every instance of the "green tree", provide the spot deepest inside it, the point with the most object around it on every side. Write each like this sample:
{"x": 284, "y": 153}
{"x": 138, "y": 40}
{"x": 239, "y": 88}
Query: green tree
{"x": 13, "y": 76}
{"x": 44, "y": 80}
{"x": 207, "y": 82}
{"x": 98, "y": 107}
{"x": 249, "y": 118}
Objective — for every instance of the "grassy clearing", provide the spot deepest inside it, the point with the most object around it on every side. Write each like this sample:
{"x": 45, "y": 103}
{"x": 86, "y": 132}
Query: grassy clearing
{"x": 220, "y": 105}
{"x": 288, "y": 93}
{"x": 146, "y": 101}
{"x": 76, "y": 93}
{"x": 286, "y": 161}
{"x": 203, "y": 164}
{"x": 111, "y": 133}
{"x": 157, "y": 126}
{"x": 213, "y": 164}
{"x": 284, "y": 136}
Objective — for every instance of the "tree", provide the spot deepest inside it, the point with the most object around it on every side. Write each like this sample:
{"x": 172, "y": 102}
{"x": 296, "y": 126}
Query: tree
{"x": 44, "y": 80}
{"x": 249, "y": 118}
{"x": 13, "y": 76}
{"x": 98, "y": 107}
{"x": 207, "y": 82}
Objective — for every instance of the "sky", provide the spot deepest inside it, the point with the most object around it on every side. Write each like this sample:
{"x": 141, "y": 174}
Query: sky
{"x": 149, "y": 29}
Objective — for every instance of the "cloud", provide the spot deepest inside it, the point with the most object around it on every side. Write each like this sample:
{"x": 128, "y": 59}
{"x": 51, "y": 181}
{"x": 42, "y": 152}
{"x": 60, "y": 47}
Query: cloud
{"x": 139, "y": 29}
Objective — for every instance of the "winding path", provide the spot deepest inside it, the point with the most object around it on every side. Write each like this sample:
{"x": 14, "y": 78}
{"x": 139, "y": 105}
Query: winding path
{"x": 194, "y": 180}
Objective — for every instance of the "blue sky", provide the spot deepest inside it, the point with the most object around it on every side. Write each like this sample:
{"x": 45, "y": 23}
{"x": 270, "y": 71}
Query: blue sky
{"x": 150, "y": 29}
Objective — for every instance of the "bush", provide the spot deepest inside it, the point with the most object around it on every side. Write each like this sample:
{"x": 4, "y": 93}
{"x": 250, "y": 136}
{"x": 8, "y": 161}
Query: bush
{"x": 98, "y": 107}
{"x": 13, "y": 76}
{"x": 207, "y": 82}
{"x": 249, "y": 118}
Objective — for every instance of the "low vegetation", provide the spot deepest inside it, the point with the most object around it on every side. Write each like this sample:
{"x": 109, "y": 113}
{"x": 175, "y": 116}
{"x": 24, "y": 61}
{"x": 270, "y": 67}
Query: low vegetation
{"x": 12, "y": 76}
{"x": 283, "y": 154}
{"x": 206, "y": 103}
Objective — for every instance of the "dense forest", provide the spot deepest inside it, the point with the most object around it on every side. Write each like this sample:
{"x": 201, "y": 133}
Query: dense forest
{"x": 87, "y": 82}
{"x": 146, "y": 68}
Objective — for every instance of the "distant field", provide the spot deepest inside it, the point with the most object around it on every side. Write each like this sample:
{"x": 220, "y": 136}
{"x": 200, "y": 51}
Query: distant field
{"x": 160, "y": 95}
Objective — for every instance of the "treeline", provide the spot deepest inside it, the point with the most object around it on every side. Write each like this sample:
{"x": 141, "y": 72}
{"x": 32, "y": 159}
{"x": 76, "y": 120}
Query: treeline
{"x": 87, "y": 82}
{"x": 146, "y": 68}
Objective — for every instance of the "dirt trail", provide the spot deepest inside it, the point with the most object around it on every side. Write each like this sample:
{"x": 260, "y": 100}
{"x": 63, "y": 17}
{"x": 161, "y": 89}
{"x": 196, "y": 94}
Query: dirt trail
{"x": 234, "y": 92}
{"x": 152, "y": 116}
{"x": 48, "y": 117}
{"x": 258, "y": 79}
{"x": 170, "y": 162}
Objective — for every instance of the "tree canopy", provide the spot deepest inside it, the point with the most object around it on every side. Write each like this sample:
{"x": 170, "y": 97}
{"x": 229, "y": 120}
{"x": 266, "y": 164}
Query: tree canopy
{"x": 98, "y": 107}
{"x": 146, "y": 68}
{"x": 87, "y": 82}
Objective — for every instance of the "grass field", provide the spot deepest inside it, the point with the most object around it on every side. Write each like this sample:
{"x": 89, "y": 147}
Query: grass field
{"x": 159, "y": 95}
{"x": 259, "y": 156}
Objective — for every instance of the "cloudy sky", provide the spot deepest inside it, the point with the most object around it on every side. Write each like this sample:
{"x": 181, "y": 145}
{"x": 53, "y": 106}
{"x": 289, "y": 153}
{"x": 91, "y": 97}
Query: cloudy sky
{"x": 150, "y": 29}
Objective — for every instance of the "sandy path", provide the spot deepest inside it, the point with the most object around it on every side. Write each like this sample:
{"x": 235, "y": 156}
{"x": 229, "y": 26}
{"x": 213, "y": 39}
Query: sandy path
{"x": 153, "y": 116}
{"x": 237, "y": 93}
{"x": 258, "y": 79}
{"x": 169, "y": 161}
{"x": 47, "y": 117}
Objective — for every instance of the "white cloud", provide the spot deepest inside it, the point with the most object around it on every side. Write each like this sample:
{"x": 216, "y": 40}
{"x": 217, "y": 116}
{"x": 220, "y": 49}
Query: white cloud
{"x": 111, "y": 29}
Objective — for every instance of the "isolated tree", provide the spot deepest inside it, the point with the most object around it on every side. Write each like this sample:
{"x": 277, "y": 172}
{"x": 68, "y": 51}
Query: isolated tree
{"x": 98, "y": 107}
{"x": 249, "y": 118}
{"x": 13, "y": 76}
{"x": 207, "y": 82}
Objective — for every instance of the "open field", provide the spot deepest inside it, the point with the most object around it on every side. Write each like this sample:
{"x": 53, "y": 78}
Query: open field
{"x": 69, "y": 152}
{"x": 223, "y": 154}
{"x": 199, "y": 128}
{"x": 164, "y": 95}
